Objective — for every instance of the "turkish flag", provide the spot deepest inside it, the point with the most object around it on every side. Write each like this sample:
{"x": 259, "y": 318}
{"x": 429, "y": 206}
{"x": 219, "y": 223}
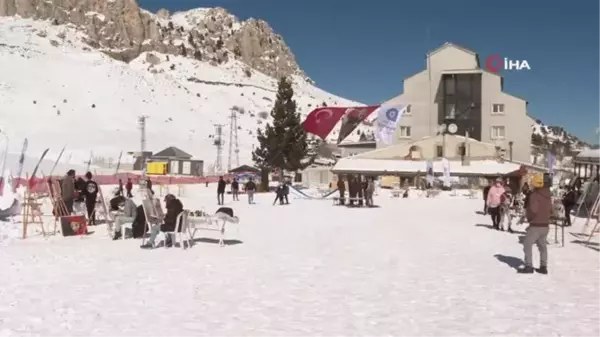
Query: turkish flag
{"x": 352, "y": 117}
{"x": 321, "y": 121}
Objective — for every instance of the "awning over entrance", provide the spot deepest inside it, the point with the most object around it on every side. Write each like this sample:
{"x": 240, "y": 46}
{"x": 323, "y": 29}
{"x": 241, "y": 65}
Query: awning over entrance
{"x": 391, "y": 167}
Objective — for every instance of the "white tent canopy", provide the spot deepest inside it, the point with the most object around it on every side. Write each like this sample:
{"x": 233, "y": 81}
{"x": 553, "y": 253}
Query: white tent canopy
{"x": 592, "y": 155}
{"x": 389, "y": 167}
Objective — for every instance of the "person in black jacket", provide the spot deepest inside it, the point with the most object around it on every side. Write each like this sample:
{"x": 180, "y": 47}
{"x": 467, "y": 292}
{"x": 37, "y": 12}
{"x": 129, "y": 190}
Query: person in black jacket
{"x": 149, "y": 185}
{"x": 235, "y": 189}
{"x": 569, "y": 200}
{"x": 486, "y": 190}
{"x": 174, "y": 207}
{"x": 250, "y": 189}
{"x": 286, "y": 191}
{"x": 91, "y": 194}
{"x": 221, "y": 191}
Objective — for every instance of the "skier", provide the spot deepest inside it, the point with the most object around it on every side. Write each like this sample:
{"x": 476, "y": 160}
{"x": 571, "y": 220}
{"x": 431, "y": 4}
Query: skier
{"x": 286, "y": 191}
{"x": 91, "y": 194}
{"x": 129, "y": 187}
{"x": 235, "y": 189}
{"x": 221, "y": 191}
{"x": 250, "y": 189}
{"x": 68, "y": 191}
{"x": 538, "y": 214}
{"x": 494, "y": 201}
{"x": 279, "y": 194}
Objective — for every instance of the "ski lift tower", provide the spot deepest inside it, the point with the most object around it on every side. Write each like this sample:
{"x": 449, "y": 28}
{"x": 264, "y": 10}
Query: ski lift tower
{"x": 233, "y": 140}
{"x": 142, "y": 124}
{"x": 218, "y": 142}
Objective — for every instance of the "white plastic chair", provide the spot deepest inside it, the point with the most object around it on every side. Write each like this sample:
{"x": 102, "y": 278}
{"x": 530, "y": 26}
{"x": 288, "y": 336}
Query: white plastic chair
{"x": 181, "y": 229}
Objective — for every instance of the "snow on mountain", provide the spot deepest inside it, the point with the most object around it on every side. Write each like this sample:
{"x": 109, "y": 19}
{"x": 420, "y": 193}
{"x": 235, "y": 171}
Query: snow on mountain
{"x": 60, "y": 91}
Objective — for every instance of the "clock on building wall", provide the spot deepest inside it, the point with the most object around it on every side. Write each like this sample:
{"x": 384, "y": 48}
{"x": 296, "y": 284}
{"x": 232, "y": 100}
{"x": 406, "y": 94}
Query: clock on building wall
{"x": 452, "y": 128}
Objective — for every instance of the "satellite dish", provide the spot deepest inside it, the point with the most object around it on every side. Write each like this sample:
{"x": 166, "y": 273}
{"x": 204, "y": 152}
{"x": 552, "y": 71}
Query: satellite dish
{"x": 452, "y": 128}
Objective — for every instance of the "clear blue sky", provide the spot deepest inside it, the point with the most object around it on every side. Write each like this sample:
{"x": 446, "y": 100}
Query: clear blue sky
{"x": 362, "y": 50}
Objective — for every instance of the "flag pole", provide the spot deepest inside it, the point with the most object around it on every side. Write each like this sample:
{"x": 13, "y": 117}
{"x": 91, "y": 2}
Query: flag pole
{"x": 429, "y": 76}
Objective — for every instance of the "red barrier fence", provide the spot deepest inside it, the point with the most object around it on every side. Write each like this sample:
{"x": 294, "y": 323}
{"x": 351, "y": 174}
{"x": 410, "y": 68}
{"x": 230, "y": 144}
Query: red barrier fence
{"x": 39, "y": 185}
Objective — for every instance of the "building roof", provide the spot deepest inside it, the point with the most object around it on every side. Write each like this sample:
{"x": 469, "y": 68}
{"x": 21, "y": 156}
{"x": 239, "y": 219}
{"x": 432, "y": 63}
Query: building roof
{"x": 453, "y": 45}
{"x": 388, "y": 167}
{"x": 172, "y": 152}
{"x": 588, "y": 155}
{"x": 244, "y": 168}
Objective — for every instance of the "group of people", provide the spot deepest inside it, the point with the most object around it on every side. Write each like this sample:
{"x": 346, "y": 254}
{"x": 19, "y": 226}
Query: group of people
{"x": 76, "y": 192}
{"x": 538, "y": 210}
{"x": 249, "y": 188}
{"x": 159, "y": 221}
{"x": 358, "y": 190}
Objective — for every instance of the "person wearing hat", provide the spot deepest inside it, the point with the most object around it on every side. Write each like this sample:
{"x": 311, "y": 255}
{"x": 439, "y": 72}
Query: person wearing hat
{"x": 494, "y": 201}
{"x": 174, "y": 207}
{"x": 538, "y": 212}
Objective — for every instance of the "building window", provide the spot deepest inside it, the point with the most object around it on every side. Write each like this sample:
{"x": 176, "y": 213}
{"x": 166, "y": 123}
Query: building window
{"x": 439, "y": 151}
{"x": 404, "y": 132}
{"x": 498, "y": 132}
{"x": 449, "y": 85}
{"x": 498, "y": 109}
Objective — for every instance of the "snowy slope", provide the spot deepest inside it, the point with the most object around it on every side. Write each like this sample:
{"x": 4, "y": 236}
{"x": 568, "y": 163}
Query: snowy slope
{"x": 57, "y": 91}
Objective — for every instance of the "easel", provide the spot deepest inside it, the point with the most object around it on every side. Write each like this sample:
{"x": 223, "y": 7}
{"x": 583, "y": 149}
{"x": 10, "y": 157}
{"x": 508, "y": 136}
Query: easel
{"x": 582, "y": 200}
{"x": 103, "y": 210}
{"x": 593, "y": 213}
{"x": 32, "y": 213}
{"x": 58, "y": 204}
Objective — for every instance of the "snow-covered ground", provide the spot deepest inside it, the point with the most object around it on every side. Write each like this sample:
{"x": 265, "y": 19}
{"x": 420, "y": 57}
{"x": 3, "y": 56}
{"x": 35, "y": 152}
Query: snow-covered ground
{"x": 410, "y": 267}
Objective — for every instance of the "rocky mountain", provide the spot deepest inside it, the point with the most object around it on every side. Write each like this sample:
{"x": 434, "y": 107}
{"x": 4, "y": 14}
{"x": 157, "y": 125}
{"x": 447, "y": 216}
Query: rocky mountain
{"x": 60, "y": 90}
{"x": 556, "y": 139}
{"x": 121, "y": 29}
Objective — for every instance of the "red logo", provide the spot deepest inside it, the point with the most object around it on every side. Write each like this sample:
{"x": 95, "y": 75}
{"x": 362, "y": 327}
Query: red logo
{"x": 493, "y": 63}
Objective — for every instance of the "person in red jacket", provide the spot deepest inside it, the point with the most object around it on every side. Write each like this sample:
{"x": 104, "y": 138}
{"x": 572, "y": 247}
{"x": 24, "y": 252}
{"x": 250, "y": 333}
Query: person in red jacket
{"x": 129, "y": 187}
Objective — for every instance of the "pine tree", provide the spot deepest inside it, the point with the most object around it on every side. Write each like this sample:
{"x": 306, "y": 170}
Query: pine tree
{"x": 282, "y": 143}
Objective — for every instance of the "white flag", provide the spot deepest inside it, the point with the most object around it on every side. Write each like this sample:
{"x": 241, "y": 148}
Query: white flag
{"x": 388, "y": 117}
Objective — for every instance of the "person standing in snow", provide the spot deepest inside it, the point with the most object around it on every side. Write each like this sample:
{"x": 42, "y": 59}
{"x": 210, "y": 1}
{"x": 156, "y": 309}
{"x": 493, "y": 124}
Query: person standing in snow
{"x": 279, "y": 194}
{"x": 494, "y": 201}
{"x": 569, "y": 200}
{"x": 369, "y": 191}
{"x": 486, "y": 190}
{"x": 129, "y": 187}
{"x": 149, "y": 185}
{"x": 538, "y": 212}
{"x": 119, "y": 191}
{"x": 250, "y": 189}
{"x": 221, "y": 191}
{"x": 286, "y": 192}
{"x": 68, "y": 190}
{"x": 341, "y": 186}
{"x": 91, "y": 194}
{"x": 235, "y": 189}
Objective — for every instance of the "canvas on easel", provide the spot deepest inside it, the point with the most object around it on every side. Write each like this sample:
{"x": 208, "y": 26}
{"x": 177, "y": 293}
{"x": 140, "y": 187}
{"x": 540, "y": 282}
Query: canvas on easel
{"x": 58, "y": 204}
